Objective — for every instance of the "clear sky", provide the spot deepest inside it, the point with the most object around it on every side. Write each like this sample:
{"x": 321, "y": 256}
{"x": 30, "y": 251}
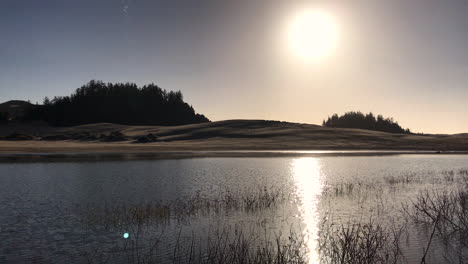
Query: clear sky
{"x": 232, "y": 59}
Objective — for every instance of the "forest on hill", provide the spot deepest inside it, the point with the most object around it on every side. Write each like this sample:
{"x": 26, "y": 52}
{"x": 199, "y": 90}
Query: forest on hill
{"x": 119, "y": 103}
{"x": 365, "y": 121}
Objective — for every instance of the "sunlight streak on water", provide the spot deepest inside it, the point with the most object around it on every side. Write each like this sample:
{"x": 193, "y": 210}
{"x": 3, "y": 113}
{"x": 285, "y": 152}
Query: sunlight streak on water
{"x": 307, "y": 177}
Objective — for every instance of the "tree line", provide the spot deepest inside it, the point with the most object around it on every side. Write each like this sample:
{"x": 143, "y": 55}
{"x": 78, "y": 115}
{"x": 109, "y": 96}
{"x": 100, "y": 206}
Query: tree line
{"x": 365, "y": 121}
{"x": 119, "y": 103}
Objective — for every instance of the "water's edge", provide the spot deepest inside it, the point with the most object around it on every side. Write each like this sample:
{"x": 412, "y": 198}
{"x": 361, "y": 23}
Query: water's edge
{"x": 114, "y": 156}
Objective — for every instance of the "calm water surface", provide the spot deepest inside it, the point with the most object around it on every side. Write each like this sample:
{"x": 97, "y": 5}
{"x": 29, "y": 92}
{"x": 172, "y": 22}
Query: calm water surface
{"x": 42, "y": 204}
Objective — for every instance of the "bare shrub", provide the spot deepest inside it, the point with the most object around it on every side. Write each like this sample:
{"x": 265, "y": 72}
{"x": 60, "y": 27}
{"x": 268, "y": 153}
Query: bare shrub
{"x": 358, "y": 242}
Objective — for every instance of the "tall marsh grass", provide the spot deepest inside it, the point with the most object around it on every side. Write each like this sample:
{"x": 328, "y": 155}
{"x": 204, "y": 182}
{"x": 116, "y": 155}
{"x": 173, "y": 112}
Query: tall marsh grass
{"x": 227, "y": 244}
{"x": 359, "y": 242}
{"x": 372, "y": 240}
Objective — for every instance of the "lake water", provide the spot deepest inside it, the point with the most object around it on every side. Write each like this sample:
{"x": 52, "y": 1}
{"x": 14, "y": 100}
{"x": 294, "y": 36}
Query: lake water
{"x": 56, "y": 212}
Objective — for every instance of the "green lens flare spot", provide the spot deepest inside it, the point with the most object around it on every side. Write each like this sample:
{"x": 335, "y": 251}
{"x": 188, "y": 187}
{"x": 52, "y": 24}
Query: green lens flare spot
{"x": 126, "y": 235}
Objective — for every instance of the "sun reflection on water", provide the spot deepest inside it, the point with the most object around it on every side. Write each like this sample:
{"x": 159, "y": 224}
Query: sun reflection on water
{"x": 308, "y": 180}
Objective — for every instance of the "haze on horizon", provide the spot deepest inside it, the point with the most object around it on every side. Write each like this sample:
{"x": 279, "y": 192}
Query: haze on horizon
{"x": 233, "y": 59}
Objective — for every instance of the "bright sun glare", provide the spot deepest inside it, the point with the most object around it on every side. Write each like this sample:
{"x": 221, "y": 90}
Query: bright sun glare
{"x": 312, "y": 34}
{"x": 307, "y": 175}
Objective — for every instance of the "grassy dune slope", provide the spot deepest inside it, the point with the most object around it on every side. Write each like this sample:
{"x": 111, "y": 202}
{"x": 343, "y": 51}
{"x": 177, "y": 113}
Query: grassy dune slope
{"x": 227, "y": 135}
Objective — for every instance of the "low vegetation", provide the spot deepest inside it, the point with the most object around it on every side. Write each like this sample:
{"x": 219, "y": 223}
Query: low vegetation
{"x": 18, "y": 136}
{"x": 115, "y": 216}
{"x": 359, "y": 242}
{"x": 446, "y": 214}
{"x": 225, "y": 244}
{"x": 377, "y": 239}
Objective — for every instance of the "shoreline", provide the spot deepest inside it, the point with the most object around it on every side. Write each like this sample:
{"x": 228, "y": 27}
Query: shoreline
{"x": 171, "y": 155}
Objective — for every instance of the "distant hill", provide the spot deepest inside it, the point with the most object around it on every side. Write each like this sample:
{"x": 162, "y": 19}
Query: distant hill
{"x": 365, "y": 121}
{"x": 219, "y": 135}
{"x": 14, "y": 109}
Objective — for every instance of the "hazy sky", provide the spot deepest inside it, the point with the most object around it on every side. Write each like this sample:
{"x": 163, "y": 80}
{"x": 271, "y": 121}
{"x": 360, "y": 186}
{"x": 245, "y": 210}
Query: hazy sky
{"x": 231, "y": 59}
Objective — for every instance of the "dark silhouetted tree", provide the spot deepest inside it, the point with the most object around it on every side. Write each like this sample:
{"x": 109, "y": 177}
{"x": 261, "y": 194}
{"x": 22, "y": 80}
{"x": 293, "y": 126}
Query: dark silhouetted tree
{"x": 367, "y": 121}
{"x": 120, "y": 103}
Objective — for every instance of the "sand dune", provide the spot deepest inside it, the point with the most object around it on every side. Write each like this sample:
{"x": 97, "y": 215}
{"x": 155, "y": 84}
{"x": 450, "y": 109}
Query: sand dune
{"x": 224, "y": 135}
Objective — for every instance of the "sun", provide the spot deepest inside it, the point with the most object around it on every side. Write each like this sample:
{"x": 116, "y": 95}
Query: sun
{"x": 312, "y": 34}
